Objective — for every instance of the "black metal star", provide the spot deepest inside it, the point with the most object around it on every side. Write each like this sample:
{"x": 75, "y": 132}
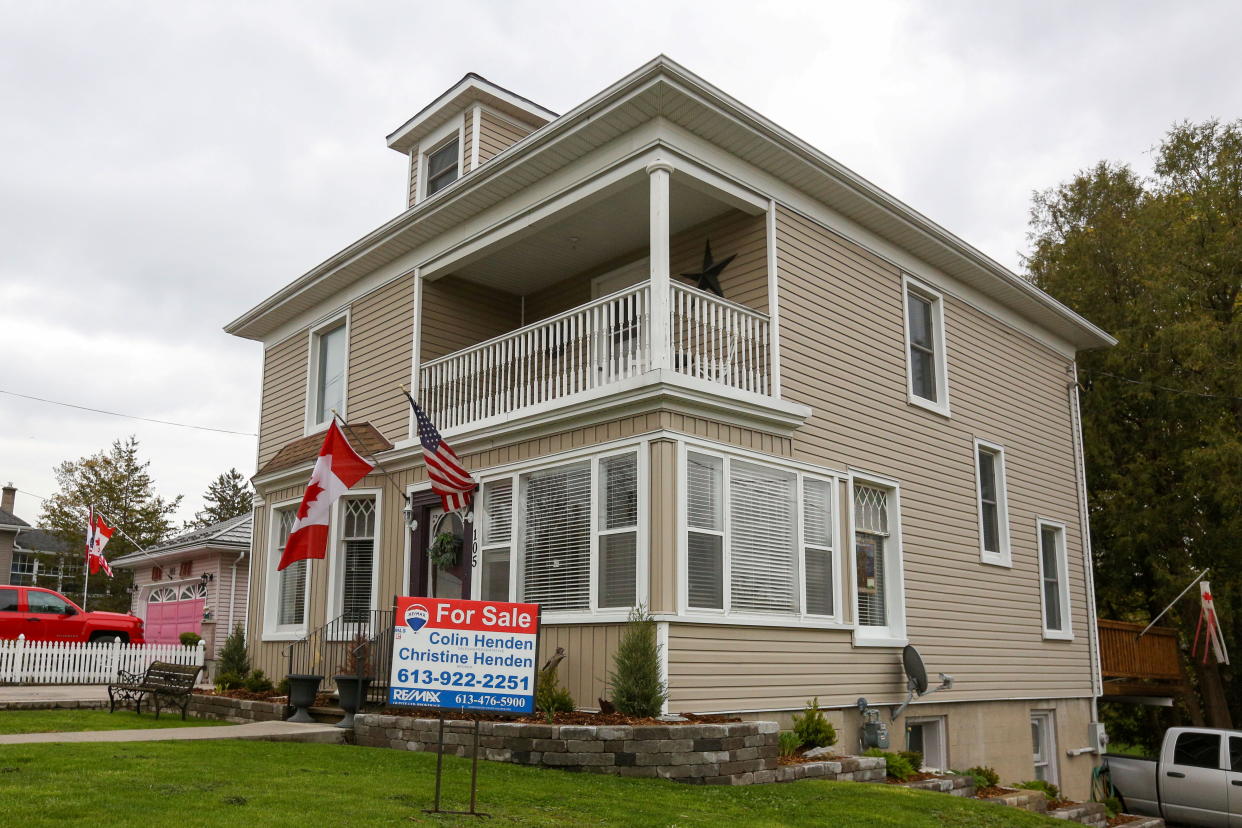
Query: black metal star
{"x": 708, "y": 279}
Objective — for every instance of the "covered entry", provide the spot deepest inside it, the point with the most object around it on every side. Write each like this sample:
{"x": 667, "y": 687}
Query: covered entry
{"x": 172, "y": 610}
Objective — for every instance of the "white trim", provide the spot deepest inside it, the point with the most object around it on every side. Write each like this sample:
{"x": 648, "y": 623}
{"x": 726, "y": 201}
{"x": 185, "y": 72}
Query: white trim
{"x": 466, "y": 83}
{"x": 774, "y": 301}
{"x": 1088, "y": 564}
{"x": 435, "y": 142}
{"x": 272, "y": 631}
{"x": 911, "y": 285}
{"x": 476, "y": 123}
{"x": 894, "y": 633}
{"x": 1049, "y": 727}
{"x": 340, "y": 319}
{"x": 416, "y": 354}
{"x": 1003, "y": 556}
{"x": 408, "y": 546}
{"x": 942, "y": 733}
{"x": 1066, "y": 633}
{"x": 336, "y": 555}
{"x": 662, "y": 650}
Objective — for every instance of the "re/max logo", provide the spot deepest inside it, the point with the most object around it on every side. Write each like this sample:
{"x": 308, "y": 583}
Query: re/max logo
{"x": 422, "y": 696}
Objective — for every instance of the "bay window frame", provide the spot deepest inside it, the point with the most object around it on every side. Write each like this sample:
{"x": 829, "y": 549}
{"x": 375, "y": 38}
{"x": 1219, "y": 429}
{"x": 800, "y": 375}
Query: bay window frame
{"x": 593, "y": 455}
{"x": 336, "y": 553}
{"x": 800, "y": 471}
{"x": 272, "y": 629}
{"x": 893, "y": 634}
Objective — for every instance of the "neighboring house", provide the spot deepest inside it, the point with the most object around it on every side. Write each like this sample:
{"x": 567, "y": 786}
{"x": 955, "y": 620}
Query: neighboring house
{"x": 872, "y": 439}
{"x": 196, "y": 582}
{"x": 30, "y": 556}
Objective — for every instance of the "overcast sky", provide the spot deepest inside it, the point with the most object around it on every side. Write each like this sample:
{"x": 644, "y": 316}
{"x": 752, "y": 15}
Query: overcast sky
{"x": 165, "y": 166}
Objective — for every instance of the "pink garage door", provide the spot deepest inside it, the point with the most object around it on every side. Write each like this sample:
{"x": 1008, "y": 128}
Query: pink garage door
{"x": 172, "y": 611}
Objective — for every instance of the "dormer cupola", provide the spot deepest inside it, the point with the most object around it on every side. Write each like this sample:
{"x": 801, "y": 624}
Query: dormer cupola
{"x": 465, "y": 127}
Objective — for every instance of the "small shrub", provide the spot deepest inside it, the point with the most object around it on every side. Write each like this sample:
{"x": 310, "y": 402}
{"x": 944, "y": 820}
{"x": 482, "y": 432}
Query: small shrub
{"x": 985, "y": 777}
{"x": 898, "y": 766}
{"x": 282, "y": 687}
{"x": 229, "y": 681}
{"x": 190, "y": 639}
{"x": 813, "y": 728}
{"x": 550, "y": 697}
{"x": 1047, "y": 788}
{"x": 1113, "y": 805}
{"x": 233, "y": 658}
{"x": 913, "y": 757}
{"x": 636, "y": 686}
{"x": 790, "y": 743}
{"x": 358, "y": 656}
{"x": 257, "y": 682}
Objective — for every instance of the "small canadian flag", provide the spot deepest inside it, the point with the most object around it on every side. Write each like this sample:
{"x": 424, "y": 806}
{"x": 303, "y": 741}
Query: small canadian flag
{"x": 97, "y": 535}
{"x": 336, "y": 471}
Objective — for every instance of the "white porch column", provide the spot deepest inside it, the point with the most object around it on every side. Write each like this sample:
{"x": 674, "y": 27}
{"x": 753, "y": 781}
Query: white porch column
{"x": 661, "y": 341}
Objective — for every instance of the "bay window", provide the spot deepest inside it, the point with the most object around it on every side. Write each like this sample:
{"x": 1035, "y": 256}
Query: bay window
{"x": 774, "y": 555}
{"x": 566, "y": 537}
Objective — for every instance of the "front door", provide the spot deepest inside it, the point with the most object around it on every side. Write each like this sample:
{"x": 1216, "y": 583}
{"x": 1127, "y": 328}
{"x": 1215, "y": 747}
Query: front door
{"x": 448, "y": 563}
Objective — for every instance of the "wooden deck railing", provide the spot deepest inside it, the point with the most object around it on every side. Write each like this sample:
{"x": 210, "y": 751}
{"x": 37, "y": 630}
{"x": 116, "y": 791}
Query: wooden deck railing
{"x": 1155, "y": 656}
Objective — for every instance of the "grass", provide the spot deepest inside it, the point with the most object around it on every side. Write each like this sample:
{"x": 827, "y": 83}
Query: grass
{"x": 233, "y": 783}
{"x": 67, "y": 721}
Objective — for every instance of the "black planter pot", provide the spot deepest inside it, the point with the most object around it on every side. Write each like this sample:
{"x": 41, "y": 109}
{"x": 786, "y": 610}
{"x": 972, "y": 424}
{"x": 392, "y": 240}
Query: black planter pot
{"x": 352, "y": 693}
{"x": 303, "y": 688}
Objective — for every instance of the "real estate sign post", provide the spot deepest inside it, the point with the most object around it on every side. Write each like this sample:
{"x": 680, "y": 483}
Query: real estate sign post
{"x": 464, "y": 655}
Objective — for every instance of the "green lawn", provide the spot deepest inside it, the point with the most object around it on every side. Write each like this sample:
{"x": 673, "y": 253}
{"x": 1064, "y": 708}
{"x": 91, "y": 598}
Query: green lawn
{"x": 67, "y": 721}
{"x": 274, "y": 784}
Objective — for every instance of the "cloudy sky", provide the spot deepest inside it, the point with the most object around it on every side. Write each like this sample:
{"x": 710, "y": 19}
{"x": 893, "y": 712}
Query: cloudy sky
{"x": 165, "y": 166}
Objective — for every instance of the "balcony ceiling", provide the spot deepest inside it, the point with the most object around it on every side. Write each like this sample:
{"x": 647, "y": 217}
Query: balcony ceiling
{"x": 611, "y": 231}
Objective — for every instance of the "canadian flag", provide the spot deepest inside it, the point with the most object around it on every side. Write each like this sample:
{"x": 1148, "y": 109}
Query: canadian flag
{"x": 338, "y": 468}
{"x": 97, "y": 535}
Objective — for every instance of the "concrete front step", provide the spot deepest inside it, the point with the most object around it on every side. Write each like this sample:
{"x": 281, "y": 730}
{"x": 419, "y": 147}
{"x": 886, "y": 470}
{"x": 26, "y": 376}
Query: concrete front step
{"x": 1093, "y": 814}
{"x": 955, "y": 785}
{"x": 1034, "y": 801}
{"x": 1143, "y": 822}
{"x": 255, "y": 731}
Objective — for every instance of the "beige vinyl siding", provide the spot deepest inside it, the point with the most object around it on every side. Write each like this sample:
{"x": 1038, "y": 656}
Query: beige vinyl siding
{"x": 662, "y": 525}
{"x": 497, "y": 134}
{"x": 457, "y": 314}
{"x": 413, "y": 164}
{"x": 842, "y": 341}
{"x": 467, "y": 143}
{"x": 284, "y": 395}
{"x": 744, "y": 281}
{"x": 589, "y": 650}
{"x": 380, "y": 349}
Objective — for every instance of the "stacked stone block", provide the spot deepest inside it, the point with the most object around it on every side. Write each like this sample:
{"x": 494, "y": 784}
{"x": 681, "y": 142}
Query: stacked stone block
{"x": 238, "y": 711}
{"x": 845, "y": 769}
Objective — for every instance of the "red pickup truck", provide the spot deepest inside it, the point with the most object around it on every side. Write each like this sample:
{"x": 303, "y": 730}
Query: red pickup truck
{"x": 43, "y": 615}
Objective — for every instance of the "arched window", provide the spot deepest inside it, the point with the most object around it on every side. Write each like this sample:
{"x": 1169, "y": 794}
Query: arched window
{"x": 162, "y": 595}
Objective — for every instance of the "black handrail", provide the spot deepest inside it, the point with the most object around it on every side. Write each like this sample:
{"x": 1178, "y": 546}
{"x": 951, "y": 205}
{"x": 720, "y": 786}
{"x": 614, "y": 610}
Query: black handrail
{"x": 327, "y": 650}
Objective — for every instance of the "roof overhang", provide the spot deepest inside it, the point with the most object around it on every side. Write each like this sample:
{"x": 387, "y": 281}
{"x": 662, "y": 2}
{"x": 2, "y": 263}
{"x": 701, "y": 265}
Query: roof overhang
{"x": 662, "y": 89}
{"x": 470, "y": 89}
{"x": 177, "y": 553}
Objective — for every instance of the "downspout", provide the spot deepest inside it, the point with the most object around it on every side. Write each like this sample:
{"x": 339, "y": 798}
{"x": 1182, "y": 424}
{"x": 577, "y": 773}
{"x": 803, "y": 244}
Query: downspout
{"x": 1080, "y": 459}
{"x": 233, "y": 588}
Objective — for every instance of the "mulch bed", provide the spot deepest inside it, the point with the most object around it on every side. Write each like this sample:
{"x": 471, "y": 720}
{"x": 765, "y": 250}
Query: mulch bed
{"x": 575, "y": 718}
{"x": 246, "y": 695}
{"x": 987, "y": 793}
{"x": 1058, "y": 804}
{"x": 799, "y": 759}
{"x": 918, "y": 777}
{"x": 1122, "y": 819}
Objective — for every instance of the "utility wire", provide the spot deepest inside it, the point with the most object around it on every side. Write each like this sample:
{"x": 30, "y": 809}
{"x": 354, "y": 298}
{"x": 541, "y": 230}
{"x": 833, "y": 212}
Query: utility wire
{"x": 127, "y": 416}
{"x": 1161, "y": 387}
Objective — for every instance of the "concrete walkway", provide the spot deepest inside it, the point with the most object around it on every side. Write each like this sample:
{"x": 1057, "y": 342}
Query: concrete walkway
{"x": 53, "y": 694}
{"x": 254, "y": 731}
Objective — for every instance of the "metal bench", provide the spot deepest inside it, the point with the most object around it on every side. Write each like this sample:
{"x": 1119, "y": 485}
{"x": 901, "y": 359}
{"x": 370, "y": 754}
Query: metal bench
{"x": 167, "y": 685}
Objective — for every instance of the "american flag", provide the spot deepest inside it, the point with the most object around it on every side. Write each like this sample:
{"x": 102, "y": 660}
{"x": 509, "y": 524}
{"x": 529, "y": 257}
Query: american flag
{"x": 449, "y": 478}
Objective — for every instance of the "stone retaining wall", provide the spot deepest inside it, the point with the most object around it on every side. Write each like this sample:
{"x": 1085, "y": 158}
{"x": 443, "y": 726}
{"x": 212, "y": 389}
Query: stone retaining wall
{"x": 735, "y": 753}
{"x": 238, "y": 711}
{"x": 845, "y": 769}
{"x": 56, "y": 704}
{"x": 956, "y": 785}
{"x": 1093, "y": 814}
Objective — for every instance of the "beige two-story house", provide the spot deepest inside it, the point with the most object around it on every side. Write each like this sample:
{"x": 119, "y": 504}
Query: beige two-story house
{"x": 868, "y": 437}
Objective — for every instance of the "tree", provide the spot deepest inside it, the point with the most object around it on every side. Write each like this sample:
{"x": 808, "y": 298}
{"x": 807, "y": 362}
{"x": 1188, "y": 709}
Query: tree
{"x": 120, "y": 488}
{"x": 228, "y": 496}
{"x": 1158, "y": 263}
{"x": 637, "y": 689}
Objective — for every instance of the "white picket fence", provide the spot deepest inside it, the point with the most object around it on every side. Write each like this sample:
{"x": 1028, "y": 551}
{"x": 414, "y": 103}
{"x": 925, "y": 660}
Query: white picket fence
{"x": 78, "y": 662}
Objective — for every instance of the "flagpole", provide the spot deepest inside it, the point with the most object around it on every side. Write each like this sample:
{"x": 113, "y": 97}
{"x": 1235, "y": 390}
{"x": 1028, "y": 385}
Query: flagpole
{"x": 374, "y": 459}
{"x": 86, "y": 560}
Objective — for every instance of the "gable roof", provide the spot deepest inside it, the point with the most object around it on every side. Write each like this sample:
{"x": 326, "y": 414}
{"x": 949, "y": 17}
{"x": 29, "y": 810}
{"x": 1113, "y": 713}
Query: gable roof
{"x": 662, "y": 88}
{"x": 233, "y": 533}
{"x": 364, "y": 438}
{"x": 469, "y": 89}
{"x": 37, "y": 540}
{"x": 10, "y": 519}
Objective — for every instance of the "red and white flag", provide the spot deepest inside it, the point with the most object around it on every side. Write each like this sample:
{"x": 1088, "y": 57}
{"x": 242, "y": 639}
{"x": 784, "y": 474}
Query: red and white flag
{"x": 97, "y": 535}
{"x": 338, "y": 468}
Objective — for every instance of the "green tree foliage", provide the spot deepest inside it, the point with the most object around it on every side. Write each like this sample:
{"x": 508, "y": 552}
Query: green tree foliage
{"x": 813, "y": 728}
{"x": 636, "y": 686}
{"x": 234, "y": 660}
{"x": 228, "y": 496}
{"x": 116, "y": 482}
{"x": 1157, "y": 262}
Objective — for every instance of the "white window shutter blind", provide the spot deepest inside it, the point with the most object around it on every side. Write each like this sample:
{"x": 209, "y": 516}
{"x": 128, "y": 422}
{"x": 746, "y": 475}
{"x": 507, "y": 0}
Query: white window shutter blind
{"x": 705, "y": 538}
{"x": 871, "y": 540}
{"x": 817, "y": 535}
{"x": 358, "y": 567}
{"x": 557, "y": 548}
{"x": 762, "y": 539}
{"x": 291, "y": 592}
{"x": 618, "y": 543}
{"x": 498, "y": 508}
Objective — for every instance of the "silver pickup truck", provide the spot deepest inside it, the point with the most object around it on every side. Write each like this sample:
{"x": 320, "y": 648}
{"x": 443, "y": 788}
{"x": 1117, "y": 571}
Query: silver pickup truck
{"x": 1196, "y": 781}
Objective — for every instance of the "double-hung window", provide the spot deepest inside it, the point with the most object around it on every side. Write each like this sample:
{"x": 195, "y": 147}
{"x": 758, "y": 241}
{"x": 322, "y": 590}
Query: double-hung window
{"x": 927, "y": 381}
{"x": 878, "y": 591}
{"x": 993, "y": 505}
{"x": 442, "y": 166}
{"x": 565, "y": 537}
{"x": 357, "y": 557}
{"x": 1053, "y": 578}
{"x": 327, "y": 385}
{"x": 290, "y": 581}
{"x": 759, "y": 539}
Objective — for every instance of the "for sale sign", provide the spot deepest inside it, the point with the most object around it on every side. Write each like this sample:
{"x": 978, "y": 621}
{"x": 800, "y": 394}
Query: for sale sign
{"x": 464, "y": 655}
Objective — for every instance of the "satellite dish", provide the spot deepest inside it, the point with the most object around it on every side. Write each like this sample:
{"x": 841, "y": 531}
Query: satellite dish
{"x": 912, "y": 663}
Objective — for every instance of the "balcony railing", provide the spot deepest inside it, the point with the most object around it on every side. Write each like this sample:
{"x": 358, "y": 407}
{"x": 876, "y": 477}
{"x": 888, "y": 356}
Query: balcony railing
{"x": 1123, "y": 655}
{"x": 595, "y": 345}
